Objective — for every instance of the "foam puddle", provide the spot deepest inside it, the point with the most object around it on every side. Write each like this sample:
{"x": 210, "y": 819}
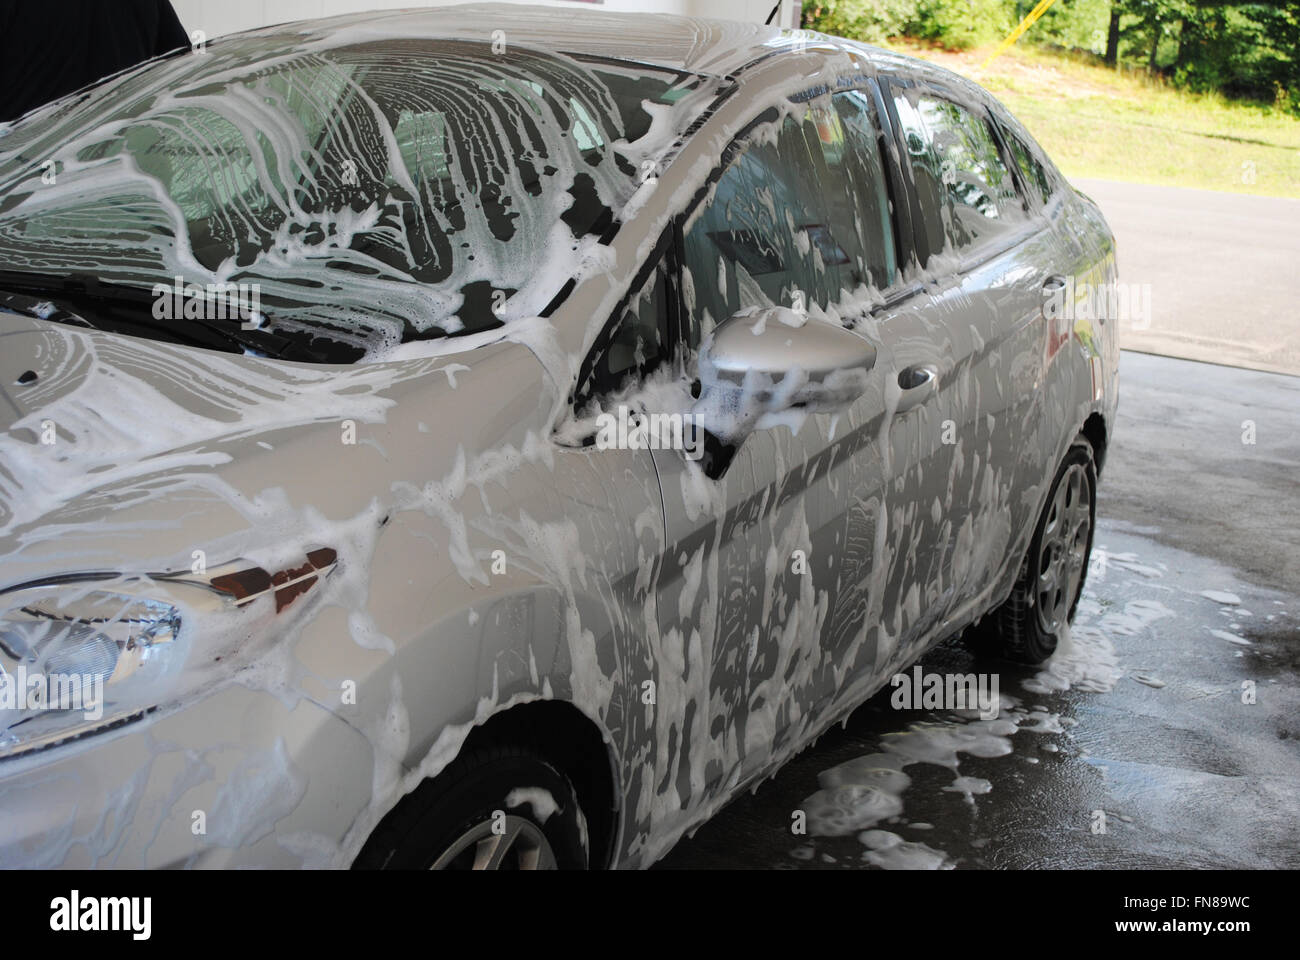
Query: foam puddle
{"x": 863, "y": 796}
{"x": 1085, "y": 658}
{"x": 861, "y": 793}
{"x": 857, "y": 795}
{"x": 889, "y": 851}
{"x": 1231, "y": 638}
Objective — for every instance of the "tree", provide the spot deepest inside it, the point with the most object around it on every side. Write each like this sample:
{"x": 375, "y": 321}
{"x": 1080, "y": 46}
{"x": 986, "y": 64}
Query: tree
{"x": 1112, "y": 34}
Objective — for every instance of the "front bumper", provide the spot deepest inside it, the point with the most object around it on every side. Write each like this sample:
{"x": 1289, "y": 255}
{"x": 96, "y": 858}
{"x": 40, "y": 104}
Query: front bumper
{"x": 237, "y": 779}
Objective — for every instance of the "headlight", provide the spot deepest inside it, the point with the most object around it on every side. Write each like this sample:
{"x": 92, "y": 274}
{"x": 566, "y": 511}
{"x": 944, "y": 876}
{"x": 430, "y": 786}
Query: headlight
{"x": 77, "y": 657}
{"x": 70, "y": 659}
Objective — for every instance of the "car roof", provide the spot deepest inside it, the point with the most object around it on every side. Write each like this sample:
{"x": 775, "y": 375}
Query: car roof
{"x": 697, "y": 45}
{"x": 690, "y": 44}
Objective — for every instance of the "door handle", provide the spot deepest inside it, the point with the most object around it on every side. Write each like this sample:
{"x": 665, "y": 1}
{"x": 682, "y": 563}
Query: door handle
{"x": 1055, "y": 291}
{"x": 917, "y": 383}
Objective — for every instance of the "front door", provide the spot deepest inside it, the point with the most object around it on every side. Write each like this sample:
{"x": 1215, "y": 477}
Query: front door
{"x": 773, "y": 587}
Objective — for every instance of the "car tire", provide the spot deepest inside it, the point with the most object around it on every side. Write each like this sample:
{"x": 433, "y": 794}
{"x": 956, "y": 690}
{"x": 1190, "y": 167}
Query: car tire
{"x": 1027, "y": 627}
{"x": 493, "y": 808}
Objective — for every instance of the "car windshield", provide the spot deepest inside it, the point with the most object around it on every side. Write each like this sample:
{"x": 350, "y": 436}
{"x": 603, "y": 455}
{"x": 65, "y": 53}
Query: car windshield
{"x": 344, "y": 198}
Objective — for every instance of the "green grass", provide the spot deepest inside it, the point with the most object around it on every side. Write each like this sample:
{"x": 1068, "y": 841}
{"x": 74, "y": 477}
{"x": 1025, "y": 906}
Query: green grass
{"x": 1099, "y": 122}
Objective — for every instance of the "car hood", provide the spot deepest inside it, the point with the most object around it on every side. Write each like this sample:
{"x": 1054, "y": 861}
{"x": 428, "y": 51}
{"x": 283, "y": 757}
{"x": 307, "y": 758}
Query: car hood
{"x": 125, "y": 455}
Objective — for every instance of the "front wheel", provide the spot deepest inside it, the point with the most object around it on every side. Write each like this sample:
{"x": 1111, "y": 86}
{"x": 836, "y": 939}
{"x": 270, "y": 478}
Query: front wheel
{"x": 494, "y": 808}
{"x": 1029, "y": 624}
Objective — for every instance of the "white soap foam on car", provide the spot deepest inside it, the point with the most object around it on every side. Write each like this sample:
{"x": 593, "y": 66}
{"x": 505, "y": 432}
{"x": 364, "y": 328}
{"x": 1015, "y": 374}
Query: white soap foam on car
{"x": 547, "y": 550}
{"x": 539, "y": 798}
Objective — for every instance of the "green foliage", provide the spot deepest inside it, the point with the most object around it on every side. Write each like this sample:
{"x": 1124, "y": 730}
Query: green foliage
{"x": 1073, "y": 24}
{"x": 1245, "y": 50}
{"x": 868, "y": 20}
{"x": 1250, "y": 51}
{"x": 958, "y": 24}
{"x": 961, "y": 24}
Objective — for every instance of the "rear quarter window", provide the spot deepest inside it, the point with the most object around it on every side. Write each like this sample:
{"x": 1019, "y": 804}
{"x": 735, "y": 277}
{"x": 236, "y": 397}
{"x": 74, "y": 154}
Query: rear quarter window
{"x": 1040, "y": 186}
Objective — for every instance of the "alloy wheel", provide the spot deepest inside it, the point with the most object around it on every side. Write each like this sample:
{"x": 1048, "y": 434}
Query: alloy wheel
{"x": 1063, "y": 548}
{"x": 516, "y": 844}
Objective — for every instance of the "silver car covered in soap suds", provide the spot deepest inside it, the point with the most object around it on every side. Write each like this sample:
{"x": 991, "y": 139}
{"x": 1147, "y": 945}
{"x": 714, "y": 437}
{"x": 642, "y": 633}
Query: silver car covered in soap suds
{"x": 494, "y": 437}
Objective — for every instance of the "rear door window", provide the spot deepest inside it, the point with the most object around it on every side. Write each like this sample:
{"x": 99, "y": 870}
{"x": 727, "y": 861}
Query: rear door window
{"x": 965, "y": 191}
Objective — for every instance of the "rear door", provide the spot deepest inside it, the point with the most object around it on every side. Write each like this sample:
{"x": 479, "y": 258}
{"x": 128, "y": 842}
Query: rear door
{"x": 1087, "y": 266}
{"x": 985, "y": 260}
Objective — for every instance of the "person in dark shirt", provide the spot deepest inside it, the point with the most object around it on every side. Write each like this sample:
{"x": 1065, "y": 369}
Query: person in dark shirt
{"x": 49, "y": 48}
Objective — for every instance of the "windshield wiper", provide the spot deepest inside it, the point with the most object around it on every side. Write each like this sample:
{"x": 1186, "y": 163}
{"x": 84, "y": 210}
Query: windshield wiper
{"x": 122, "y": 308}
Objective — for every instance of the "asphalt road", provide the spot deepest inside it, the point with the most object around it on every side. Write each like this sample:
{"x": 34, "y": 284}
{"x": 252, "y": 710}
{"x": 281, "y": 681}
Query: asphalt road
{"x": 1181, "y": 463}
{"x": 1224, "y": 270}
{"x": 1168, "y": 735}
